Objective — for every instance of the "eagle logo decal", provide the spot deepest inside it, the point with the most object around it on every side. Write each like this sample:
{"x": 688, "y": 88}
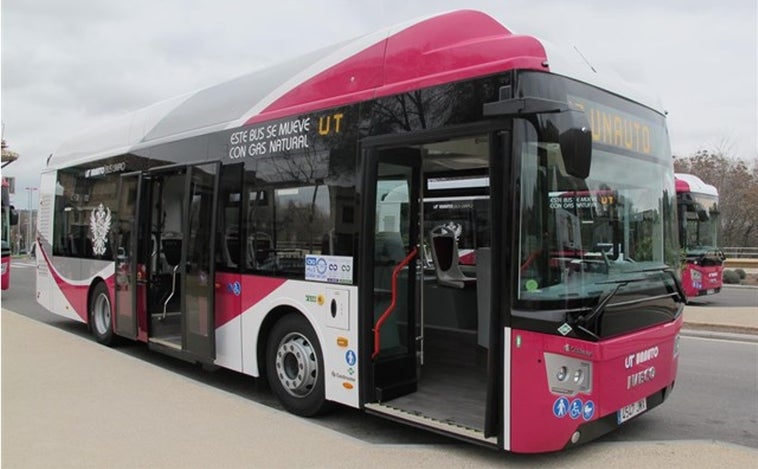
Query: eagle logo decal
{"x": 100, "y": 226}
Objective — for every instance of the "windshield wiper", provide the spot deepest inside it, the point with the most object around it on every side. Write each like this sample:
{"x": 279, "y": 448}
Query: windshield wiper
{"x": 582, "y": 320}
{"x": 667, "y": 270}
{"x": 650, "y": 268}
{"x": 677, "y": 285}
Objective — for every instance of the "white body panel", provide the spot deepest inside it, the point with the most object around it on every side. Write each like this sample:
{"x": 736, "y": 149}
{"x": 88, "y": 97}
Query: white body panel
{"x": 237, "y": 340}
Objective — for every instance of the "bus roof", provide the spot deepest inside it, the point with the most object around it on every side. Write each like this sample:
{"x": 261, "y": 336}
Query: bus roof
{"x": 692, "y": 183}
{"x": 442, "y": 48}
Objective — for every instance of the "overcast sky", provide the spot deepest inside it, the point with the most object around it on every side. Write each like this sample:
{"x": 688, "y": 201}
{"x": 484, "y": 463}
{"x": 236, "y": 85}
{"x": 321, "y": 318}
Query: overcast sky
{"x": 69, "y": 64}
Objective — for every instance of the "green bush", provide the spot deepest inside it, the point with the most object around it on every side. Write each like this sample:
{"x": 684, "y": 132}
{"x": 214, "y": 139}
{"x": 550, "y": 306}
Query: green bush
{"x": 741, "y": 273}
{"x": 731, "y": 277}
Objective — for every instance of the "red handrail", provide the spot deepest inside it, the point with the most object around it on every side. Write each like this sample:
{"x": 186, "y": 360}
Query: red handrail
{"x": 530, "y": 259}
{"x": 386, "y": 314}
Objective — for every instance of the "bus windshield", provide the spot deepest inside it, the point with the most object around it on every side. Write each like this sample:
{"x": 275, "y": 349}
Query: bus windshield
{"x": 581, "y": 238}
{"x": 702, "y": 220}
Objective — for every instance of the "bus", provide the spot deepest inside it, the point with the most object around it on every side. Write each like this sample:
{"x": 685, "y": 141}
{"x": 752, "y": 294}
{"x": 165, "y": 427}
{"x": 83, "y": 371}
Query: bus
{"x": 698, "y": 215}
{"x": 9, "y": 218}
{"x": 279, "y": 225}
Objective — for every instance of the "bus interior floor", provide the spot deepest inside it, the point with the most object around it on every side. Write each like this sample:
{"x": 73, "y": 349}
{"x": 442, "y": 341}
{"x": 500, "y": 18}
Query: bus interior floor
{"x": 449, "y": 392}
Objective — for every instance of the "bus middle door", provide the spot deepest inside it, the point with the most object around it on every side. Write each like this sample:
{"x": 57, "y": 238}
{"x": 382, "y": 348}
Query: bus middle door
{"x": 182, "y": 215}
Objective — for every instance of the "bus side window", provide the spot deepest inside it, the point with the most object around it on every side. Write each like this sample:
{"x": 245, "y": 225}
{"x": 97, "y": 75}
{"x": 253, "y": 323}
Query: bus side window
{"x": 228, "y": 229}
{"x": 260, "y": 252}
{"x": 286, "y": 224}
{"x": 260, "y": 255}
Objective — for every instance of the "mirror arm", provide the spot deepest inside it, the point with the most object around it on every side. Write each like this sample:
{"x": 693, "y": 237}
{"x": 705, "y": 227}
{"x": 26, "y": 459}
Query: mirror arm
{"x": 524, "y": 106}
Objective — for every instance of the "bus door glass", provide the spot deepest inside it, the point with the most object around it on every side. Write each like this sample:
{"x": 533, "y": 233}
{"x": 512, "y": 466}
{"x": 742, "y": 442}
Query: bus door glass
{"x": 395, "y": 177}
{"x": 129, "y": 280}
{"x": 199, "y": 284}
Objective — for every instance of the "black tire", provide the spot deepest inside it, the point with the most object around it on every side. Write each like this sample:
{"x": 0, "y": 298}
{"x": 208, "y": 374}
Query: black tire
{"x": 101, "y": 315}
{"x": 295, "y": 366}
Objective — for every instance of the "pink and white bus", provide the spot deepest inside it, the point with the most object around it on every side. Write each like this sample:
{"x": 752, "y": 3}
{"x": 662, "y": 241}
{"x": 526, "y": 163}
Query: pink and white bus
{"x": 698, "y": 204}
{"x": 9, "y": 218}
{"x": 247, "y": 226}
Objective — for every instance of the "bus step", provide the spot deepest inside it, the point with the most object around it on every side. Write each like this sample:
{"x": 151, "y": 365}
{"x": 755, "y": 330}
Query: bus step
{"x": 417, "y": 418}
{"x": 391, "y": 391}
{"x": 167, "y": 342}
{"x": 170, "y": 348}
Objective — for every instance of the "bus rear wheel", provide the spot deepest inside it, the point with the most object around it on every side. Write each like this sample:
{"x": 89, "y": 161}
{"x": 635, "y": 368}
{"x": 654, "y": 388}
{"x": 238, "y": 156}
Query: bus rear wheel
{"x": 101, "y": 315}
{"x": 295, "y": 366}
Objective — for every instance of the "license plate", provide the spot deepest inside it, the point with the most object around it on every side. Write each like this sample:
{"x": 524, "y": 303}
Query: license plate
{"x": 710, "y": 292}
{"x": 635, "y": 408}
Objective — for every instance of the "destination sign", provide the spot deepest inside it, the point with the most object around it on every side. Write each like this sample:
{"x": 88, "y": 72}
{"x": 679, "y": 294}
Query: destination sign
{"x": 617, "y": 128}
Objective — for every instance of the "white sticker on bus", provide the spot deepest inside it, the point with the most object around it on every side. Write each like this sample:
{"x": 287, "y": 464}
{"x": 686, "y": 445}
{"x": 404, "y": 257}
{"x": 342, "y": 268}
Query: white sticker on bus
{"x": 331, "y": 269}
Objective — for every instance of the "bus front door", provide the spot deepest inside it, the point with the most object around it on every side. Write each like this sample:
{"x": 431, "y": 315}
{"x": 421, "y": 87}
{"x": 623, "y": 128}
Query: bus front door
{"x": 170, "y": 238}
{"x": 392, "y": 272}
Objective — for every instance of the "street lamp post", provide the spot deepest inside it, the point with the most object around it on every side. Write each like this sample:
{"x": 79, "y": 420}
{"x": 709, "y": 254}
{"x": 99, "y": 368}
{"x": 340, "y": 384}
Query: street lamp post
{"x": 30, "y": 190}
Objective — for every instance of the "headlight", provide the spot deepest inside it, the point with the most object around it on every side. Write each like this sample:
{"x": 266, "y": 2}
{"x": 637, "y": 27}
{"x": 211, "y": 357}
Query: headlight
{"x": 568, "y": 375}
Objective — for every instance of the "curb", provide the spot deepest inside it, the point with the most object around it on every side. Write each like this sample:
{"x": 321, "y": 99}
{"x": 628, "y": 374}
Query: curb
{"x": 734, "y": 285}
{"x": 711, "y": 334}
{"x": 720, "y": 328}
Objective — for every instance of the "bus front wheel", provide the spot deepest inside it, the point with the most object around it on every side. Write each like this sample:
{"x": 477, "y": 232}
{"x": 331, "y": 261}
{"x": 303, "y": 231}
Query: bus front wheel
{"x": 101, "y": 315}
{"x": 295, "y": 366}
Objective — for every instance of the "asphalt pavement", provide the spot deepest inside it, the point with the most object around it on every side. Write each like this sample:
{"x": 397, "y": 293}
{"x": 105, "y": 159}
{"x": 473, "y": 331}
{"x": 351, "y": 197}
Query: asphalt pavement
{"x": 69, "y": 402}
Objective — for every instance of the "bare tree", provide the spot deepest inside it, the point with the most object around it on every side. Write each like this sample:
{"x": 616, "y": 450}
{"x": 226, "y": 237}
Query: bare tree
{"x": 737, "y": 183}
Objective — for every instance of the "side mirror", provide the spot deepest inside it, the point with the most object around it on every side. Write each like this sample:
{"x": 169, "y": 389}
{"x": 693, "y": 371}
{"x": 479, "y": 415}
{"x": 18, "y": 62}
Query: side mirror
{"x": 13, "y": 216}
{"x": 559, "y": 123}
{"x": 571, "y": 130}
{"x": 702, "y": 215}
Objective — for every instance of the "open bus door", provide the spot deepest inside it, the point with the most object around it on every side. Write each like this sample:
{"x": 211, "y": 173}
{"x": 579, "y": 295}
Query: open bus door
{"x": 392, "y": 272}
{"x": 433, "y": 360}
{"x": 165, "y": 258}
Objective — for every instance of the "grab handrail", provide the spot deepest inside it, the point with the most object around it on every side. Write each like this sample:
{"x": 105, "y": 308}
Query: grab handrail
{"x": 173, "y": 290}
{"x": 390, "y": 309}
